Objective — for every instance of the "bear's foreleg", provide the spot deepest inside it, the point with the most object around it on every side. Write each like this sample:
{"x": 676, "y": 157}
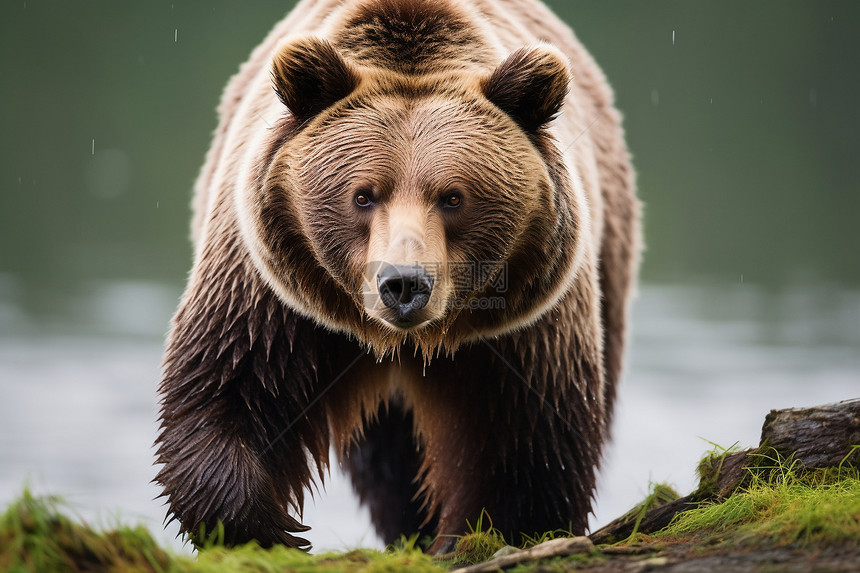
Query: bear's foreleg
{"x": 237, "y": 426}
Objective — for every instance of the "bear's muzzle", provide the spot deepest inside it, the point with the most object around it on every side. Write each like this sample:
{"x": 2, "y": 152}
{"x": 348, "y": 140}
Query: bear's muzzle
{"x": 405, "y": 289}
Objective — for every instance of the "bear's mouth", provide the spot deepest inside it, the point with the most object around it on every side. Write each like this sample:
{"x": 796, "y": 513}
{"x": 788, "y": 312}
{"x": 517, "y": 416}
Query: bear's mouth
{"x": 405, "y": 323}
{"x": 399, "y": 321}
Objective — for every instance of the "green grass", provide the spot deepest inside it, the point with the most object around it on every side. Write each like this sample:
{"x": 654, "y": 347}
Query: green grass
{"x": 710, "y": 466}
{"x": 658, "y": 494}
{"x": 481, "y": 543}
{"x": 781, "y": 505}
{"x": 36, "y": 535}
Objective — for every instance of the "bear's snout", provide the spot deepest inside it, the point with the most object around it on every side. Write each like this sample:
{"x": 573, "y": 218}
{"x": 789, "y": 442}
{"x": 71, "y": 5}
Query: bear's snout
{"x": 405, "y": 289}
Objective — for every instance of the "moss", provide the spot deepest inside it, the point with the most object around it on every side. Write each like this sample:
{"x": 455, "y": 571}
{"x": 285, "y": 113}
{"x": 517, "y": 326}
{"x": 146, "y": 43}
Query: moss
{"x": 36, "y": 535}
{"x": 658, "y": 494}
{"x": 709, "y": 469}
{"x": 253, "y": 558}
{"x": 479, "y": 544}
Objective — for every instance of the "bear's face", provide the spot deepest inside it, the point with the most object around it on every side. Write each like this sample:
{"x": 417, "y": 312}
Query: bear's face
{"x": 391, "y": 206}
{"x": 423, "y": 190}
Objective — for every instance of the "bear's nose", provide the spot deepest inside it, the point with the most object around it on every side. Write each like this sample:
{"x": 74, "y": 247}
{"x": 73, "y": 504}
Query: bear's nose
{"x": 404, "y": 289}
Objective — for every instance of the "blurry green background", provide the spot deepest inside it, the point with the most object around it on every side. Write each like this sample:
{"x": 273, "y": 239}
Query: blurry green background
{"x": 742, "y": 118}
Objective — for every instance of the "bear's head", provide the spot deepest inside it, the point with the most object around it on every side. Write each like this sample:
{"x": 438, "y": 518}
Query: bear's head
{"x": 430, "y": 208}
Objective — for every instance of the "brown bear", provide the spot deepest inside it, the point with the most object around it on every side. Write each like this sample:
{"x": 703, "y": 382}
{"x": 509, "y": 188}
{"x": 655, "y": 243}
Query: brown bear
{"x": 416, "y": 235}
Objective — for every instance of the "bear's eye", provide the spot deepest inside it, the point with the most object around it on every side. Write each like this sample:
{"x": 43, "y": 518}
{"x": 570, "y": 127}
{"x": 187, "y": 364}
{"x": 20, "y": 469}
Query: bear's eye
{"x": 363, "y": 199}
{"x": 452, "y": 200}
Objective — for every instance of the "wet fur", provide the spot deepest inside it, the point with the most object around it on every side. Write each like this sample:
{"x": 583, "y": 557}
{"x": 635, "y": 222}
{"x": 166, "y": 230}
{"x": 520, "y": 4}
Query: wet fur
{"x": 271, "y": 358}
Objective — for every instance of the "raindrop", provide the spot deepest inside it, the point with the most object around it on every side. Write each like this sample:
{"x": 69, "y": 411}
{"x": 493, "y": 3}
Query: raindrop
{"x": 175, "y": 35}
{"x": 93, "y": 152}
{"x": 673, "y": 37}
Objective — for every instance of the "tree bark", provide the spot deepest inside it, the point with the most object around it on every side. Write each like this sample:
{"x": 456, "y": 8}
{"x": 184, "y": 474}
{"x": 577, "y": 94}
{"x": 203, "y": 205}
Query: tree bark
{"x": 819, "y": 437}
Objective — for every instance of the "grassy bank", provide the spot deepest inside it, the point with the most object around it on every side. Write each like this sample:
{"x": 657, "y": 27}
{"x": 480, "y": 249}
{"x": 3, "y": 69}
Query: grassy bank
{"x": 779, "y": 504}
{"x": 777, "y": 507}
{"x": 37, "y": 534}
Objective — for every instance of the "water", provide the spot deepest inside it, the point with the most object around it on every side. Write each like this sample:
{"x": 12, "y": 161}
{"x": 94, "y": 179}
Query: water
{"x": 79, "y": 387}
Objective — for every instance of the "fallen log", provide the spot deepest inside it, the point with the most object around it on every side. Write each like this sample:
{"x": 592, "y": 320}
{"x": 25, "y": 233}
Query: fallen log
{"x": 818, "y": 437}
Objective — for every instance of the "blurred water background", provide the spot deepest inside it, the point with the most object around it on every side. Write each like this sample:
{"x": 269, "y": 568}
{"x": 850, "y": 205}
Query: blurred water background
{"x": 743, "y": 120}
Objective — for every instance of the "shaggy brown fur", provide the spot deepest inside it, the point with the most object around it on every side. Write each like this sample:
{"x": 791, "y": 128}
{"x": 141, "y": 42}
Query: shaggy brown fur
{"x": 438, "y": 135}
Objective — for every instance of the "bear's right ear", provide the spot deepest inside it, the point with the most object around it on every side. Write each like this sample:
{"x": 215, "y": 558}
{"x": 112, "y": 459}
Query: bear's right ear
{"x": 530, "y": 85}
{"x": 309, "y": 76}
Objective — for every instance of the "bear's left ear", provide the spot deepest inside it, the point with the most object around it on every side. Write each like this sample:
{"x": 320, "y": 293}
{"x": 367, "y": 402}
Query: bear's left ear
{"x": 530, "y": 85}
{"x": 310, "y": 75}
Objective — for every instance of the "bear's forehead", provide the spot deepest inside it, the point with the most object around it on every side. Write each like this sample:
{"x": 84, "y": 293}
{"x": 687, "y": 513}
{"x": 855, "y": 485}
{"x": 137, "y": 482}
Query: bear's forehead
{"x": 426, "y": 144}
{"x": 431, "y": 123}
